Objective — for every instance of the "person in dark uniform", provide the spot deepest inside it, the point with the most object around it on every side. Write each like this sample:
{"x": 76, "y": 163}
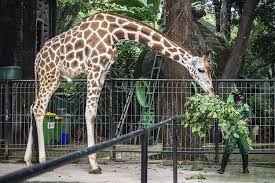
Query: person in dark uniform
{"x": 232, "y": 142}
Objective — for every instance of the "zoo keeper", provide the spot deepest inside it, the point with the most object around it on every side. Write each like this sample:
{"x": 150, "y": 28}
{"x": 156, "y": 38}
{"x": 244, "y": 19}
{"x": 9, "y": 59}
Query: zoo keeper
{"x": 241, "y": 141}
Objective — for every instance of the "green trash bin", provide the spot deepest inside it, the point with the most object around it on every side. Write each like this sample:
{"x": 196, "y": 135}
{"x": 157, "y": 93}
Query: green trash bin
{"x": 51, "y": 129}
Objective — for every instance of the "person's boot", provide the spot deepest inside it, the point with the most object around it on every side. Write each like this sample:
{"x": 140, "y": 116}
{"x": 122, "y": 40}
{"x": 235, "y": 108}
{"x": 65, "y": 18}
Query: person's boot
{"x": 245, "y": 163}
{"x": 225, "y": 159}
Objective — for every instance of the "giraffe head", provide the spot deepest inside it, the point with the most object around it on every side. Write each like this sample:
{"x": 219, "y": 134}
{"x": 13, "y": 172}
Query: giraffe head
{"x": 200, "y": 69}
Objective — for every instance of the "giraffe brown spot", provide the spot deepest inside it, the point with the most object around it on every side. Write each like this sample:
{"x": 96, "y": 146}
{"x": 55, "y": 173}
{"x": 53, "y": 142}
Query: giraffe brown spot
{"x": 101, "y": 48}
{"x": 62, "y": 49}
{"x": 172, "y": 49}
{"x": 47, "y": 44}
{"x": 51, "y": 54}
{"x": 166, "y": 43}
{"x": 176, "y": 57}
{"x": 87, "y": 51}
{"x": 79, "y": 55}
{"x": 47, "y": 67}
{"x": 87, "y": 33}
{"x": 62, "y": 57}
{"x": 94, "y": 25}
{"x": 94, "y": 84}
{"x": 47, "y": 60}
{"x": 102, "y": 32}
{"x": 121, "y": 21}
{"x": 94, "y": 60}
{"x": 94, "y": 53}
{"x": 144, "y": 40}
{"x": 84, "y": 26}
{"x": 103, "y": 61}
{"x": 80, "y": 35}
{"x": 74, "y": 64}
{"x": 99, "y": 17}
{"x": 42, "y": 72}
{"x": 119, "y": 34}
{"x": 67, "y": 64}
{"x": 73, "y": 40}
{"x": 131, "y": 26}
{"x": 104, "y": 25}
{"x": 62, "y": 35}
{"x": 167, "y": 54}
{"x": 70, "y": 56}
{"x": 96, "y": 75}
{"x": 55, "y": 46}
{"x": 107, "y": 40}
{"x": 157, "y": 47}
{"x": 52, "y": 65}
{"x": 131, "y": 36}
{"x": 42, "y": 63}
{"x": 93, "y": 40}
{"x": 146, "y": 30}
{"x": 113, "y": 26}
{"x": 156, "y": 37}
{"x": 56, "y": 60}
{"x": 110, "y": 19}
{"x": 95, "y": 91}
{"x": 74, "y": 34}
{"x": 96, "y": 68}
{"x": 44, "y": 55}
{"x": 69, "y": 47}
{"x": 68, "y": 39}
{"x": 79, "y": 44}
{"x": 182, "y": 51}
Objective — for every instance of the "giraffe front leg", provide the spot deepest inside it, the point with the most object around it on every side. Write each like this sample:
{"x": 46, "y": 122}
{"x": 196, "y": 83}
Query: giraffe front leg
{"x": 40, "y": 136}
{"x": 90, "y": 116}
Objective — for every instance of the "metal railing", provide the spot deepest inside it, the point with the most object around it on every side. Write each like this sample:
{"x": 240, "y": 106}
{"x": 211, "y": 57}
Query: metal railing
{"x": 16, "y": 98}
{"x": 38, "y": 169}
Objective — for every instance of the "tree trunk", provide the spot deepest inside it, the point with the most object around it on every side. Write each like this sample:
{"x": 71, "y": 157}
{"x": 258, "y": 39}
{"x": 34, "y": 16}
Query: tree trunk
{"x": 217, "y": 8}
{"x": 172, "y": 98}
{"x": 224, "y": 18}
{"x": 235, "y": 60}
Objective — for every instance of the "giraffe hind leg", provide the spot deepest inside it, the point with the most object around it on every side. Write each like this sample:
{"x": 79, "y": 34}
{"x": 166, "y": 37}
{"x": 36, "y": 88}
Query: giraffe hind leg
{"x": 39, "y": 110}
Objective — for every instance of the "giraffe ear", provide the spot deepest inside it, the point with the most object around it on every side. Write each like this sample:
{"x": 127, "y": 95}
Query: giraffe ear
{"x": 206, "y": 54}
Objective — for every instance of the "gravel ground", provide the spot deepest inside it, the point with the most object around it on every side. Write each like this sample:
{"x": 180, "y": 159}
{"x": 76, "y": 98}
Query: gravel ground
{"x": 121, "y": 172}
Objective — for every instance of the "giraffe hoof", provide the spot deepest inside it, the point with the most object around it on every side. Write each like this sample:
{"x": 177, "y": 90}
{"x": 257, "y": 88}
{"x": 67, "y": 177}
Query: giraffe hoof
{"x": 96, "y": 171}
{"x": 28, "y": 163}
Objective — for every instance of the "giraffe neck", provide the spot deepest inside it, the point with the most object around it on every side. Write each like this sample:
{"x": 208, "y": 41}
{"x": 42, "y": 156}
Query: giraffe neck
{"x": 124, "y": 28}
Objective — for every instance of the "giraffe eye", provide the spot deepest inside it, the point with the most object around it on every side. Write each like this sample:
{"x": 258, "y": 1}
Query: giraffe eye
{"x": 201, "y": 70}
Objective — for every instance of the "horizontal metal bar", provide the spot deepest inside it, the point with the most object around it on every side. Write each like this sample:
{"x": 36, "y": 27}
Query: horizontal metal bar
{"x": 38, "y": 169}
{"x": 144, "y": 79}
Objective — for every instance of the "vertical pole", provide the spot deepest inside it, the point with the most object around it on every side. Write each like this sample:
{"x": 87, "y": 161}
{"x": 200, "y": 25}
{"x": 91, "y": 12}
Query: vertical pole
{"x": 216, "y": 129}
{"x": 174, "y": 149}
{"x": 144, "y": 156}
{"x": 111, "y": 121}
{"x": 7, "y": 118}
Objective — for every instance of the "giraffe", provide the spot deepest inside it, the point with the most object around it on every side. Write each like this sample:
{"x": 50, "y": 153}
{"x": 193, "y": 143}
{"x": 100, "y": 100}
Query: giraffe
{"x": 89, "y": 49}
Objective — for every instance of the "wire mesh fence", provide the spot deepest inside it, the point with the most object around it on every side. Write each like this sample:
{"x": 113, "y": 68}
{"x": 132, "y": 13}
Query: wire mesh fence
{"x": 124, "y": 106}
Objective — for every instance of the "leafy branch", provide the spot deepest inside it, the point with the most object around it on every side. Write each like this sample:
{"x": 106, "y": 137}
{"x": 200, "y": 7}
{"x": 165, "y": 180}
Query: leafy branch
{"x": 202, "y": 109}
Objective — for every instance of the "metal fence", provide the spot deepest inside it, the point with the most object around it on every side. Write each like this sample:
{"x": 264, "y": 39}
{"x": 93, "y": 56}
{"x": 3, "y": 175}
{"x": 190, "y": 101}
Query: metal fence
{"x": 126, "y": 105}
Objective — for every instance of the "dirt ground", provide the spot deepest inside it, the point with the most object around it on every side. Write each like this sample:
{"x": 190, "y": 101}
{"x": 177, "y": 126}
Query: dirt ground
{"x": 122, "y": 172}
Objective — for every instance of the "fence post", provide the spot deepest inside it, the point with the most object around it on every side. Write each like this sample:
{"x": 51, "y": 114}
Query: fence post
{"x": 7, "y": 118}
{"x": 144, "y": 156}
{"x": 216, "y": 129}
{"x": 174, "y": 149}
{"x": 111, "y": 121}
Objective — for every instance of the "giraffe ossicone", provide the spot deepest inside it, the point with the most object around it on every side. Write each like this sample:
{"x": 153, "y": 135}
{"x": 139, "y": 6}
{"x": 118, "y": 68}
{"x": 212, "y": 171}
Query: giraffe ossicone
{"x": 90, "y": 49}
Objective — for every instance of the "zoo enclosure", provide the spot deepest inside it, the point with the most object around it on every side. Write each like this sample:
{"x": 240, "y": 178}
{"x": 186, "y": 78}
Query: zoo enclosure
{"x": 38, "y": 169}
{"x": 126, "y": 105}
